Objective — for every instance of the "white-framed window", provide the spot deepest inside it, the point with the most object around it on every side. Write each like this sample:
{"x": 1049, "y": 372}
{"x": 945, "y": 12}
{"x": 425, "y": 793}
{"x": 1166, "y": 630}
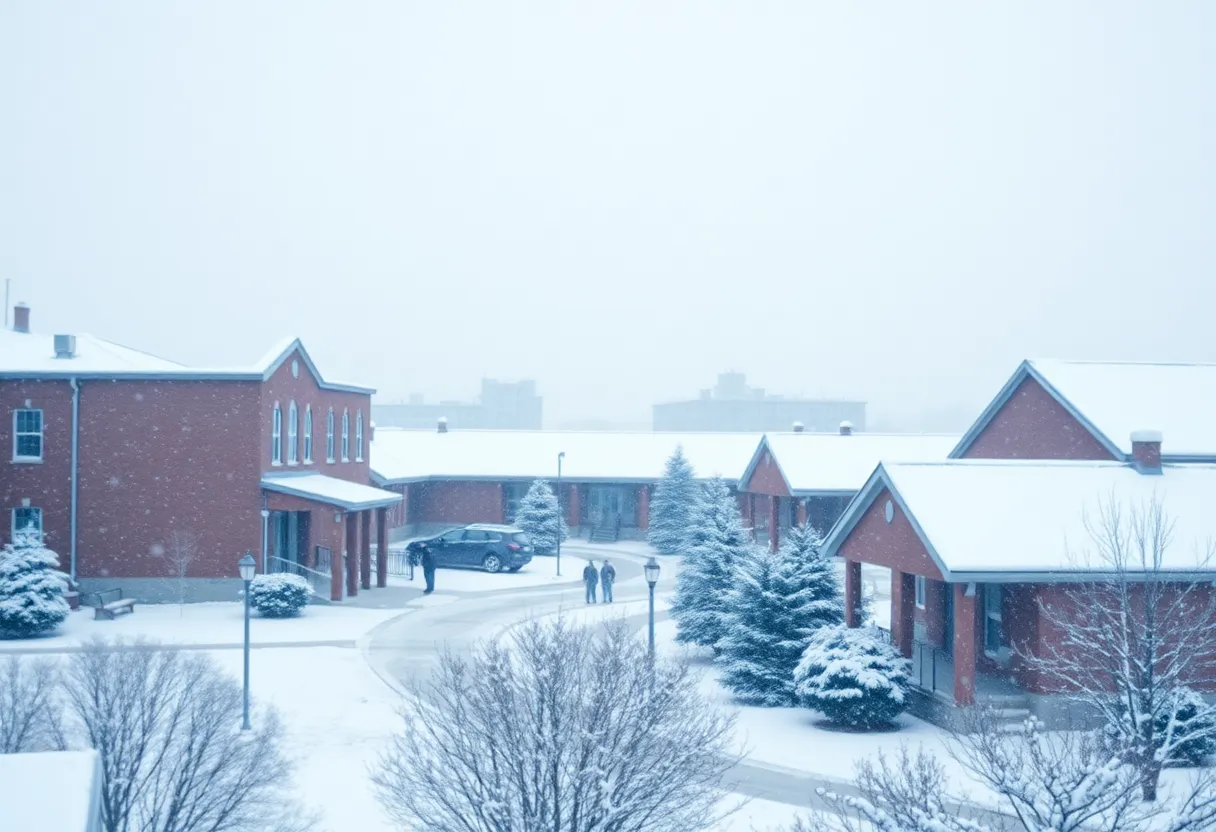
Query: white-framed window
{"x": 27, "y": 435}
{"x": 994, "y": 632}
{"x": 308, "y": 433}
{"x": 293, "y": 434}
{"x": 276, "y": 436}
{"x": 359, "y": 436}
{"x": 920, "y": 592}
{"x": 24, "y": 518}
{"x": 329, "y": 436}
{"x": 345, "y": 435}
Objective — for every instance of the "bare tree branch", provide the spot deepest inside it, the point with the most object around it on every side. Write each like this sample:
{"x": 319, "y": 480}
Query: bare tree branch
{"x": 29, "y": 706}
{"x": 179, "y": 553}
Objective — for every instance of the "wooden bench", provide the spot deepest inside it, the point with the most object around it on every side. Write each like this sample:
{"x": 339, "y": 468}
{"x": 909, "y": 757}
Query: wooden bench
{"x": 111, "y": 604}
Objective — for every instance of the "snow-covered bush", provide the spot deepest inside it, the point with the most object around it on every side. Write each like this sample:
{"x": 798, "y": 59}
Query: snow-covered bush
{"x": 1193, "y": 738}
{"x": 540, "y": 517}
{"x": 31, "y": 587}
{"x": 853, "y": 676}
{"x": 674, "y": 506}
{"x": 279, "y": 595}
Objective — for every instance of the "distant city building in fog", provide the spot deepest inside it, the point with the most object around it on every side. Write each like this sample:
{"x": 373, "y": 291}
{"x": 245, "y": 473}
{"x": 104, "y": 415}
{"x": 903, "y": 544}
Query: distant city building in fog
{"x": 733, "y": 406}
{"x": 502, "y": 405}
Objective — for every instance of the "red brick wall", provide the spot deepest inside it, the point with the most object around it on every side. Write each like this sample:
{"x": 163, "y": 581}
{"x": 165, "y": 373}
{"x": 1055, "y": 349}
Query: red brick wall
{"x": 1033, "y": 425}
{"x": 47, "y": 485}
{"x": 894, "y": 545}
{"x": 456, "y": 502}
{"x": 766, "y": 478}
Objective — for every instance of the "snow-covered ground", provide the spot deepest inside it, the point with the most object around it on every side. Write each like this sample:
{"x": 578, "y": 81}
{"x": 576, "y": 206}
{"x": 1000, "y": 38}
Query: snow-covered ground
{"x": 757, "y": 816}
{"x": 540, "y": 572}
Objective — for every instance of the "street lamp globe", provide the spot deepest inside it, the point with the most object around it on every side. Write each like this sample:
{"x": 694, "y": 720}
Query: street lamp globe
{"x": 652, "y": 570}
{"x": 248, "y": 567}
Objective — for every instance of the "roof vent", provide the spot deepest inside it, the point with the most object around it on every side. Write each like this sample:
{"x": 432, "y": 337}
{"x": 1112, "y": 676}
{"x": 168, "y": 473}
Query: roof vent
{"x": 65, "y": 346}
{"x": 846, "y": 428}
{"x": 21, "y": 318}
{"x": 1146, "y": 451}
{"x": 797, "y": 427}
{"x": 443, "y": 424}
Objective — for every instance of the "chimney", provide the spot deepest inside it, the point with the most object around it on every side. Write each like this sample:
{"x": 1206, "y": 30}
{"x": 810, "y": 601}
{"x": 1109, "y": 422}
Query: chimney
{"x": 1146, "y": 451}
{"x": 21, "y": 318}
{"x": 797, "y": 427}
{"x": 443, "y": 424}
{"x": 846, "y": 428}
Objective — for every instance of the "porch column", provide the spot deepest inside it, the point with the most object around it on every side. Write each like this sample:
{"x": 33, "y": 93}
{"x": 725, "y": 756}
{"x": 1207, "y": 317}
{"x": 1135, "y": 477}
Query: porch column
{"x": 352, "y": 555}
{"x": 573, "y": 509}
{"x": 903, "y": 600}
{"x": 774, "y": 523}
{"x": 381, "y": 547}
{"x": 644, "y": 507}
{"x": 335, "y": 566}
{"x": 852, "y": 593}
{"x": 502, "y": 504}
{"x": 365, "y": 549}
{"x": 964, "y": 644}
{"x": 751, "y": 516}
{"x": 801, "y": 512}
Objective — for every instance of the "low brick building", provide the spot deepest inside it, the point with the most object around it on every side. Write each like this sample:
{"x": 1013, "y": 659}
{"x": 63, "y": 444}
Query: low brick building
{"x": 114, "y": 451}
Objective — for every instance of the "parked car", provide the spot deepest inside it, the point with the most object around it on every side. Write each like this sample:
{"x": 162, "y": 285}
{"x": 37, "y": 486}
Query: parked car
{"x": 479, "y": 546}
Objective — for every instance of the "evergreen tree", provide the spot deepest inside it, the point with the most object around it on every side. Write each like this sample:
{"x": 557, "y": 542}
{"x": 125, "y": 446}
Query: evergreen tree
{"x": 540, "y": 517}
{"x": 853, "y": 676}
{"x": 778, "y": 603}
{"x": 31, "y": 587}
{"x": 674, "y": 505}
{"x": 718, "y": 545}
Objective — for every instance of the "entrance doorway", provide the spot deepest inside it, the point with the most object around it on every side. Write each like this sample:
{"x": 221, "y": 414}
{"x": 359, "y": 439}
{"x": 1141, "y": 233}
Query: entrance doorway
{"x": 609, "y": 504}
{"x": 288, "y": 543}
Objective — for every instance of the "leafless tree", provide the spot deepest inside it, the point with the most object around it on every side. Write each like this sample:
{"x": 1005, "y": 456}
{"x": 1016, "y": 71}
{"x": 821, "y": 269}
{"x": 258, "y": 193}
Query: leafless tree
{"x": 1130, "y": 642}
{"x": 179, "y": 553}
{"x": 29, "y": 706}
{"x": 558, "y": 727}
{"x": 167, "y": 727}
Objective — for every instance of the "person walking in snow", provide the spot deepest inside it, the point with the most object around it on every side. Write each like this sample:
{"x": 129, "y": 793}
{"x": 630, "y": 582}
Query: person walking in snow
{"x": 428, "y": 570}
{"x": 590, "y": 578}
{"x": 607, "y": 578}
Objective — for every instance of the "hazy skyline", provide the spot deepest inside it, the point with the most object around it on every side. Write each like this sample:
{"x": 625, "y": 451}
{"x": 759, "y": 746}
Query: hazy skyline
{"x": 622, "y": 200}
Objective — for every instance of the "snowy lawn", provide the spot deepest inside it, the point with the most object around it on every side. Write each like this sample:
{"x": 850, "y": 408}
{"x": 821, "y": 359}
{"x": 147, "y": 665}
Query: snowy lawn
{"x": 758, "y": 816}
{"x": 540, "y": 572}
{"x": 213, "y": 624}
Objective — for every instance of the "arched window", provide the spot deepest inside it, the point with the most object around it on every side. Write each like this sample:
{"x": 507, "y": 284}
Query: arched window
{"x": 293, "y": 434}
{"x": 276, "y": 436}
{"x": 329, "y": 437}
{"x": 359, "y": 436}
{"x": 345, "y": 435}
{"x": 308, "y": 433}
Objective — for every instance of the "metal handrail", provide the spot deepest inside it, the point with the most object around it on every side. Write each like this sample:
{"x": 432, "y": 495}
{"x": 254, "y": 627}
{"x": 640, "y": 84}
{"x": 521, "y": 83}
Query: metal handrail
{"x": 318, "y": 580}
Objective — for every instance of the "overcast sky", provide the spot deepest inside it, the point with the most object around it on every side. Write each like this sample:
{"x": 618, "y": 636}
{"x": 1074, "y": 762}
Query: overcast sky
{"x": 620, "y": 199}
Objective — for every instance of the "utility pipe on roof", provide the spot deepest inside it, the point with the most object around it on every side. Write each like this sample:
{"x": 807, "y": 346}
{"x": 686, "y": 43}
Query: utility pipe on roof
{"x": 75, "y": 456}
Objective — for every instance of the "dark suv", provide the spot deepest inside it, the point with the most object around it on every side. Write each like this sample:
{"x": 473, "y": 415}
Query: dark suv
{"x": 481, "y": 545}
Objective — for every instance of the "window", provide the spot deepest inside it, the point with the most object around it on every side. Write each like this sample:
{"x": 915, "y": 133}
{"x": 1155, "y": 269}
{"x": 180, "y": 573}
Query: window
{"x": 920, "y": 592}
{"x": 359, "y": 436}
{"x": 346, "y": 436}
{"x": 513, "y": 494}
{"x": 329, "y": 437}
{"x": 293, "y": 434}
{"x": 454, "y": 536}
{"x": 276, "y": 436}
{"x": 475, "y": 536}
{"x": 27, "y": 435}
{"x": 308, "y": 434}
{"x": 994, "y": 633}
{"x": 25, "y": 518}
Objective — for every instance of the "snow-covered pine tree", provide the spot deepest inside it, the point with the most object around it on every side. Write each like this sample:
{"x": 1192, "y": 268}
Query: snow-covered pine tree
{"x": 673, "y": 506}
{"x": 718, "y": 545}
{"x": 540, "y": 517}
{"x": 853, "y": 677}
{"x": 31, "y": 587}
{"x": 778, "y": 603}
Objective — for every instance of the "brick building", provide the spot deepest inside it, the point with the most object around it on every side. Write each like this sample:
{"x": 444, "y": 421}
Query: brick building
{"x": 977, "y": 543}
{"x": 114, "y": 451}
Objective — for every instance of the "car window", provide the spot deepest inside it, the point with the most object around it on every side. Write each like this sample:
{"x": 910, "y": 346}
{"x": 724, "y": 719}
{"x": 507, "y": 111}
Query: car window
{"x": 521, "y": 539}
{"x": 454, "y": 536}
{"x": 493, "y": 536}
{"x": 475, "y": 536}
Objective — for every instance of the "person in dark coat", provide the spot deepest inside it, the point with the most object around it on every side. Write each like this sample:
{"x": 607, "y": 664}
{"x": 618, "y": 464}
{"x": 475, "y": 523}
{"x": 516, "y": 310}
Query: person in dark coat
{"x": 590, "y": 578}
{"x": 428, "y": 569}
{"x": 607, "y": 578}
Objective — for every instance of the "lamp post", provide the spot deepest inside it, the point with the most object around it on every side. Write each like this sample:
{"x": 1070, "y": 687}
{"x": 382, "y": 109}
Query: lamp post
{"x": 652, "y": 570}
{"x": 248, "y": 567}
{"x": 265, "y": 535}
{"x": 560, "y": 514}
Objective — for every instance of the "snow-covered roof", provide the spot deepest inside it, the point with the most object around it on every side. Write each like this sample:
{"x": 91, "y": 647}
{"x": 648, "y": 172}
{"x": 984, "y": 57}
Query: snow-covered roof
{"x": 51, "y": 791}
{"x": 819, "y": 463}
{"x": 344, "y": 494}
{"x": 1017, "y": 520}
{"x": 399, "y": 455}
{"x": 1112, "y": 399}
{"x": 32, "y": 355}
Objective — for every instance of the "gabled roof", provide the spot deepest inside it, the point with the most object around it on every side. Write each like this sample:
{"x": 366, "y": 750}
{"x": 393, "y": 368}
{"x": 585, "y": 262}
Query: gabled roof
{"x": 815, "y": 464}
{"x": 401, "y": 456}
{"x": 1112, "y": 399}
{"x": 279, "y": 353}
{"x": 344, "y": 494}
{"x": 1023, "y": 520}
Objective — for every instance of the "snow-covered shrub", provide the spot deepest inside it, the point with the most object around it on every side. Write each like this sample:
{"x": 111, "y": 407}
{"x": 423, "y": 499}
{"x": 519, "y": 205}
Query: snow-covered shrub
{"x": 540, "y": 517}
{"x": 279, "y": 595}
{"x": 674, "y": 506}
{"x": 31, "y": 587}
{"x": 1193, "y": 740}
{"x": 853, "y": 676}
